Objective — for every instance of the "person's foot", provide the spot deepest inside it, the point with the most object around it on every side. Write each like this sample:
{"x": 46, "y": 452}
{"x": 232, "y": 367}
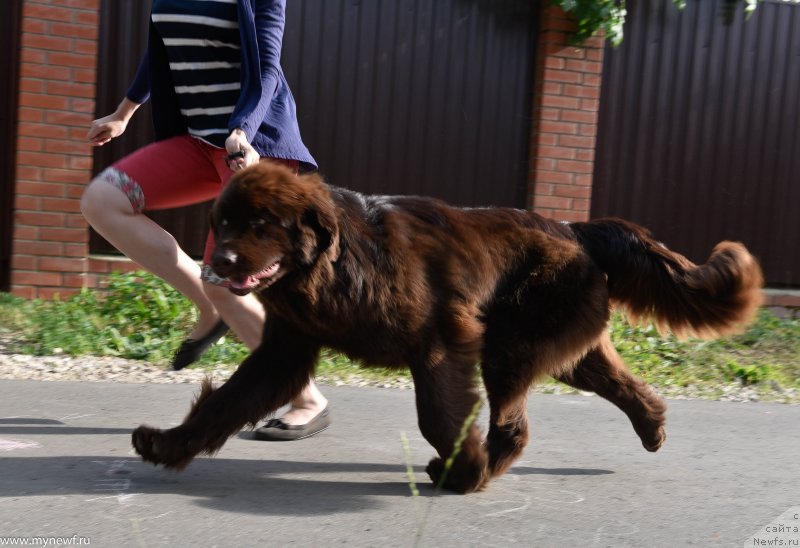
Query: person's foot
{"x": 281, "y": 430}
{"x": 193, "y": 348}
{"x": 299, "y": 415}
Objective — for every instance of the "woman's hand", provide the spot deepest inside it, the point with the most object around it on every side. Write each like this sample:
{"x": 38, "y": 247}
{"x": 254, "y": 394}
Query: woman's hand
{"x": 240, "y": 153}
{"x": 105, "y": 129}
{"x": 111, "y": 126}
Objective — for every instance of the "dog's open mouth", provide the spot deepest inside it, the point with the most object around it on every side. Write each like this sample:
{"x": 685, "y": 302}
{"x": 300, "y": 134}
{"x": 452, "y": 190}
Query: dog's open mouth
{"x": 242, "y": 285}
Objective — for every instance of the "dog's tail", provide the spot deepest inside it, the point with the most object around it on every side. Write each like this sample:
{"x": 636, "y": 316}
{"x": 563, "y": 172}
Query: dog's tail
{"x": 651, "y": 283}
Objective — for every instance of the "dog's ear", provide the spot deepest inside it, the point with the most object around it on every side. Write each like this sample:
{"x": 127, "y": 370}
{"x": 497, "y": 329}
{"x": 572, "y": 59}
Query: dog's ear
{"x": 317, "y": 234}
{"x": 318, "y": 226}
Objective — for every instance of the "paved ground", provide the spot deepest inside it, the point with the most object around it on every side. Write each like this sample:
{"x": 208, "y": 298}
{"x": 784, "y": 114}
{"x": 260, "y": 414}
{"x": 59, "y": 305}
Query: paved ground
{"x": 66, "y": 468}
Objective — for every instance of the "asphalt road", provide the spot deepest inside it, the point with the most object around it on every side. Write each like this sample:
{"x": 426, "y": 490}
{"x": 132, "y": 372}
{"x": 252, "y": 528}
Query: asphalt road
{"x": 67, "y": 469}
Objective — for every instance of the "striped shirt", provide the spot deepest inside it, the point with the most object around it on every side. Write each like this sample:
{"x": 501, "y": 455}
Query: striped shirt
{"x": 202, "y": 40}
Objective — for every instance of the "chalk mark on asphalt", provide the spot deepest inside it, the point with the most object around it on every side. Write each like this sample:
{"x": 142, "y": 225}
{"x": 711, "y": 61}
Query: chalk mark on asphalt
{"x": 14, "y": 445}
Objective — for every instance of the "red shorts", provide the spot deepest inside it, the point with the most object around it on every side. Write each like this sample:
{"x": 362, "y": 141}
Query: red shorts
{"x": 175, "y": 172}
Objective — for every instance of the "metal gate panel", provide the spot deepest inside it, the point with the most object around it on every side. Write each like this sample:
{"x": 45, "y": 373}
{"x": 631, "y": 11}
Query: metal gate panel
{"x": 416, "y": 97}
{"x": 698, "y": 133}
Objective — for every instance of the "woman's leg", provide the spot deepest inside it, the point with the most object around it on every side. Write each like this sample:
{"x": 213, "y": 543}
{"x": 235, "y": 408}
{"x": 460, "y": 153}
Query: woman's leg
{"x": 166, "y": 174}
{"x": 245, "y": 316}
{"x": 110, "y": 212}
{"x": 307, "y": 405}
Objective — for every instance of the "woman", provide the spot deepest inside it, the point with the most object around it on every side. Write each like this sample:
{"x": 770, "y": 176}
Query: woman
{"x": 220, "y": 103}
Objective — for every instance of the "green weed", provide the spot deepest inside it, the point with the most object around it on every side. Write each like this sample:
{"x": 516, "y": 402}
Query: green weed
{"x": 769, "y": 351}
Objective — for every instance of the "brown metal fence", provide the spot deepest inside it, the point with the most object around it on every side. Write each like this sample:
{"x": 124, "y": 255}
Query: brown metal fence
{"x": 394, "y": 96}
{"x": 699, "y": 131}
{"x": 414, "y": 96}
{"x": 10, "y": 25}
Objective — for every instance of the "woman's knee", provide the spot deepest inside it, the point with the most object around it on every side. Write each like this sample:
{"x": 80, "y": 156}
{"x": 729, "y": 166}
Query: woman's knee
{"x": 104, "y": 200}
{"x": 92, "y": 201}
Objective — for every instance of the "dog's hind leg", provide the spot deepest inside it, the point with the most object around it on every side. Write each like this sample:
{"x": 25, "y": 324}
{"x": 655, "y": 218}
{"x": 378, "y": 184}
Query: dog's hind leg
{"x": 540, "y": 325}
{"x": 270, "y": 377}
{"x": 508, "y": 419}
{"x": 603, "y": 371}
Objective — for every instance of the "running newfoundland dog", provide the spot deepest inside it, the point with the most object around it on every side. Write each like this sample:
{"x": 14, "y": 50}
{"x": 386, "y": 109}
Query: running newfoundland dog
{"x": 403, "y": 281}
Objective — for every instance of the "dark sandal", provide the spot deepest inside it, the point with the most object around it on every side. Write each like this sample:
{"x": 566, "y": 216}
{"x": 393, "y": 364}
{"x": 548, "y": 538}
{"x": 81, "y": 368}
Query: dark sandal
{"x": 277, "y": 430}
{"x": 192, "y": 349}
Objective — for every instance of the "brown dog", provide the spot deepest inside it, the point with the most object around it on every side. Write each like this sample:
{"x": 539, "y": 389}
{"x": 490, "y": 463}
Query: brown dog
{"x": 412, "y": 282}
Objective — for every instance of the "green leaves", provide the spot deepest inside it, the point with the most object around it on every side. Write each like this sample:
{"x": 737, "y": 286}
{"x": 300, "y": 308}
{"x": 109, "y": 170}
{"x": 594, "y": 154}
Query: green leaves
{"x": 596, "y": 15}
{"x": 609, "y": 16}
{"x": 137, "y": 316}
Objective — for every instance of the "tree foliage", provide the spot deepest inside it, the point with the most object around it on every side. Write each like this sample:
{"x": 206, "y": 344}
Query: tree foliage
{"x": 608, "y": 16}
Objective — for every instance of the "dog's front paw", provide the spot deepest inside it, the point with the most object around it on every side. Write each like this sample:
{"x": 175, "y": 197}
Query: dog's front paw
{"x": 148, "y": 443}
{"x": 435, "y": 470}
{"x": 160, "y": 447}
{"x": 462, "y": 477}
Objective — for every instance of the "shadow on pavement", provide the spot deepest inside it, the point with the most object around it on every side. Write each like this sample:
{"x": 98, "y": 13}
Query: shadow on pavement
{"x": 263, "y": 487}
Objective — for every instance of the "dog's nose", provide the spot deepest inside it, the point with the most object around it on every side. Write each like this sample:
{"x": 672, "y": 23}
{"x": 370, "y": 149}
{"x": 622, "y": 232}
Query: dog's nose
{"x": 223, "y": 259}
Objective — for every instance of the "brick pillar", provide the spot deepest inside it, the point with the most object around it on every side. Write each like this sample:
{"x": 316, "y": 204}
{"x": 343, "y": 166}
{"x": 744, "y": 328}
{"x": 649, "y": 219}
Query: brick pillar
{"x": 566, "y": 102}
{"x": 56, "y": 107}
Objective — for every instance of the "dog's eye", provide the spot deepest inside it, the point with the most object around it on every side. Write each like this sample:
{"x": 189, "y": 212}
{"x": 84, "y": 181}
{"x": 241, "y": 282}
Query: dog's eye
{"x": 262, "y": 218}
{"x": 223, "y": 222}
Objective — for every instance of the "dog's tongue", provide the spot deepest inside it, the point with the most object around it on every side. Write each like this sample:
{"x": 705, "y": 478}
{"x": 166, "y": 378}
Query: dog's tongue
{"x": 248, "y": 283}
{"x": 252, "y": 281}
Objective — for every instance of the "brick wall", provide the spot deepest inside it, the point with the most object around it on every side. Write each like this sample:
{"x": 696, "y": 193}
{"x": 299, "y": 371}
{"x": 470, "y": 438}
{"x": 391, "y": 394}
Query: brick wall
{"x": 566, "y": 102}
{"x": 56, "y": 106}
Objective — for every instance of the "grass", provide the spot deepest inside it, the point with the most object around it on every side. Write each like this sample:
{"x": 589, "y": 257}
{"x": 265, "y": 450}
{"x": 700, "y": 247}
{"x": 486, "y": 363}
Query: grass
{"x": 140, "y": 317}
{"x": 137, "y": 317}
{"x": 766, "y": 356}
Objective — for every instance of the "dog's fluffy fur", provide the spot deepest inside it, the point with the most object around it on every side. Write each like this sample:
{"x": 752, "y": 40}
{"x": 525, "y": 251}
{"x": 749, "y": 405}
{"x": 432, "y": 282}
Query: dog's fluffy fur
{"x": 412, "y": 282}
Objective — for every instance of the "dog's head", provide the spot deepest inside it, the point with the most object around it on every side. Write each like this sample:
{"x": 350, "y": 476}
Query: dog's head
{"x": 269, "y": 222}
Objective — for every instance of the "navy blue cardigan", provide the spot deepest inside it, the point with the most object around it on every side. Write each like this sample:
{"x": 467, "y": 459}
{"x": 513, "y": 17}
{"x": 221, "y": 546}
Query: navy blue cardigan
{"x": 266, "y": 110}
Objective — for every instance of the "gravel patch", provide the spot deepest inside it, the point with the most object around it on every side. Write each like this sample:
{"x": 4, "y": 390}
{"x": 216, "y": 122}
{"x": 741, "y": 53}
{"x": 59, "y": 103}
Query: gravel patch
{"x": 97, "y": 369}
{"x": 62, "y": 367}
